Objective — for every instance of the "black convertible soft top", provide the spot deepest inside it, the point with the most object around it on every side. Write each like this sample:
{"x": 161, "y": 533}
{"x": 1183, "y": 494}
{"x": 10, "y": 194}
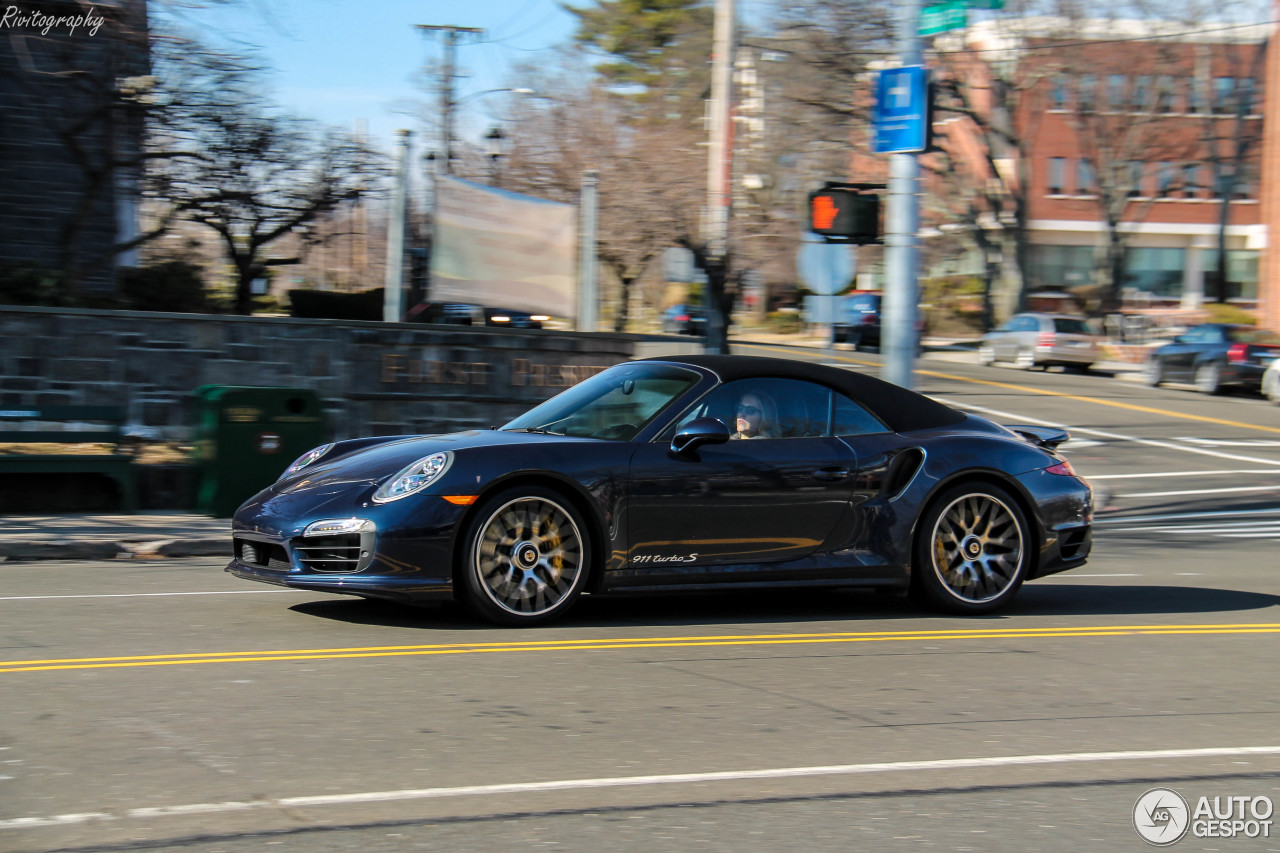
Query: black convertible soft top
{"x": 900, "y": 409}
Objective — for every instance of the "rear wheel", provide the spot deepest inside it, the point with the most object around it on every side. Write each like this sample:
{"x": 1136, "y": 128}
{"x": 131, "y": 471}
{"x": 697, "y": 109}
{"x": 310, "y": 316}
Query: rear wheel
{"x": 1154, "y": 373}
{"x": 972, "y": 549}
{"x": 527, "y": 557}
{"x": 1209, "y": 378}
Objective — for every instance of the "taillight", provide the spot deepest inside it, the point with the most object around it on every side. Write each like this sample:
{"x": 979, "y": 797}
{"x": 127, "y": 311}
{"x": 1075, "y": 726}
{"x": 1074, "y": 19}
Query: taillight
{"x": 1063, "y": 469}
{"x": 683, "y": 318}
{"x": 869, "y": 319}
{"x": 1238, "y": 354}
{"x": 1046, "y": 340}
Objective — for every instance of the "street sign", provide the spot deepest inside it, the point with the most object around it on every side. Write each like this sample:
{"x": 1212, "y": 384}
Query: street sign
{"x": 942, "y": 17}
{"x": 900, "y": 117}
{"x": 986, "y": 4}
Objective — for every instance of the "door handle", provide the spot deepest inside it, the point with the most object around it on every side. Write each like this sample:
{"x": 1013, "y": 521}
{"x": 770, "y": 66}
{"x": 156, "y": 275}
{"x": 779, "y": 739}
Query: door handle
{"x": 832, "y": 474}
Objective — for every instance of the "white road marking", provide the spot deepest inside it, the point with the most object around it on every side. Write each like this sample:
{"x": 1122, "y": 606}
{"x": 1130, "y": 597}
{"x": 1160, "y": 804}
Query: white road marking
{"x": 635, "y": 781}
{"x": 1224, "y": 513}
{"x": 1219, "y": 472}
{"x": 1012, "y": 418}
{"x": 1184, "y": 492}
{"x": 150, "y": 594}
{"x": 1107, "y": 575}
{"x": 1218, "y": 442}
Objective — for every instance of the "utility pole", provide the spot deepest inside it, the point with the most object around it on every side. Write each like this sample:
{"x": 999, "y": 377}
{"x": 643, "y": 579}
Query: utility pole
{"x": 392, "y": 298}
{"x": 587, "y": 298}
{"x": 716, "y": 221}
{"x": 902, "y": 226}
{"x": 447, "y": 74}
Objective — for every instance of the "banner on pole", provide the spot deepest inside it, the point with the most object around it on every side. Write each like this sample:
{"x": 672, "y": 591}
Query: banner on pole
{"x": 503, "y": 249}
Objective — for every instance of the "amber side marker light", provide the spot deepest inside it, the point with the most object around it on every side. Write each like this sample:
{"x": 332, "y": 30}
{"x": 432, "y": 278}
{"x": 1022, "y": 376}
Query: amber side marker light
{"x": 461, "y": 500}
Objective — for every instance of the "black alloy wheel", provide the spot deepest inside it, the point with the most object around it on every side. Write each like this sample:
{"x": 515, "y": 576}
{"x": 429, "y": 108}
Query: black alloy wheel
{"x": 527, "y": 557}
{"x": 972, "y": 550}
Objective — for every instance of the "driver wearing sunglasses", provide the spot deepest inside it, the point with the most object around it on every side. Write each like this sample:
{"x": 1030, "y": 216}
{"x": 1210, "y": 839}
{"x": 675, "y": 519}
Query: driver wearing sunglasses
{"x": 750, "y": 417}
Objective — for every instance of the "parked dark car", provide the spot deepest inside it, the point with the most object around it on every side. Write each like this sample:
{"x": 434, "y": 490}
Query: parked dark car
{"x": 512, "y": 319}
{"x": 468, "y": 314}
{"x": 685, "y": 320}
{"x": 1041, "y": 340}
{"x": 857, "y": 319}
{"x": 631, "y": 482}
{"x": 1215, "y": 357}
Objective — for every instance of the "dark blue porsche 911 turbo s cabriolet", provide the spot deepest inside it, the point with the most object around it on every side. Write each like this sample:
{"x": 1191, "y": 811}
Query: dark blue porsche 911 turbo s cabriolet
{"x": 703, "y": 472}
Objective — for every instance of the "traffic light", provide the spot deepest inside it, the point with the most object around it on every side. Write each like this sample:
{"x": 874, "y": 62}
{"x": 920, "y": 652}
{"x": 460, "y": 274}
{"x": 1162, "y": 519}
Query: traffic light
{"x": 845, "y": 215}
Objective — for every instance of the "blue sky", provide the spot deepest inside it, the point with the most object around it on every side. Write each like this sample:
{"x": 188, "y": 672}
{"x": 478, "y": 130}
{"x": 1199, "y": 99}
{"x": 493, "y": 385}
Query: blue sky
{"x": 342, "y": 60}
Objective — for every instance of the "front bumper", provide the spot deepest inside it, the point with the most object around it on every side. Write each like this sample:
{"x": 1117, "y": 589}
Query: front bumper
{"x": 404, "y": 552}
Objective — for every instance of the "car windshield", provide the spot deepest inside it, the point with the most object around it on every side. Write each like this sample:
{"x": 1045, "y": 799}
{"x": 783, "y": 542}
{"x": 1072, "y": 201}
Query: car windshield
{"x": 613, "y": 405}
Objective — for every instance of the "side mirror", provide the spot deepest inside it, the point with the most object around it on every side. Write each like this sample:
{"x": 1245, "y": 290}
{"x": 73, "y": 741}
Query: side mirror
{"x": 698, "y": 432}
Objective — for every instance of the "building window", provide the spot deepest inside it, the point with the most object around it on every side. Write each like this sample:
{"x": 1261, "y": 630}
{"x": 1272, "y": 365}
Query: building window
{"x": 1164, "y": 178}
{"x": 1137, "y": 171}
{"x": 1224, "y": 89}
{"x": 1191, "y": 180}
{"x": 1195, "y": 95}
{"x": 1058, "y": 267}
{"x": 1155, "y": 271}
{"x": 1086, "y": 179}
{"x": 1087, "y": 96}
{"x": 1057, "y": 175}
{"x": 1058, "y": 96}
{"x": 1165, "y": 87}
{"x": 1242, "y": 273}
{"x": 1142, "y": 93}
{"x": 1117, "y": 91}
{"x": 1245, "y": 87}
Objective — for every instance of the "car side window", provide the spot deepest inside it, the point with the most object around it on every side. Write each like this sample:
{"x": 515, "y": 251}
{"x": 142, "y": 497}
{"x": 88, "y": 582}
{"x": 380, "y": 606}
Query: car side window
{"x": 850, "y": 418}
{"x": 765, "y": 408}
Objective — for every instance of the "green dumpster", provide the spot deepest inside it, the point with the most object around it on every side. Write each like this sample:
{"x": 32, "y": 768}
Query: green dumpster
{"x": 246, "y": 436}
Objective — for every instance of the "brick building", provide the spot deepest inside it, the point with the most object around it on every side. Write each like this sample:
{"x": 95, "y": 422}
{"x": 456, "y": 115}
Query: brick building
{"x": 72, "y": 79}
{"x": 1139, "y": 146}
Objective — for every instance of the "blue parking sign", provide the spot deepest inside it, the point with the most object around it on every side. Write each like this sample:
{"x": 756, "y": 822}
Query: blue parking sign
{"x": 900, "y": 118}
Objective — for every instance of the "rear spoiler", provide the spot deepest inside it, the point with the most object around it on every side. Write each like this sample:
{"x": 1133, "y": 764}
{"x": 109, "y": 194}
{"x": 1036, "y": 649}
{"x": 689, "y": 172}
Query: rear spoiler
{"x": 1047, "y": 437}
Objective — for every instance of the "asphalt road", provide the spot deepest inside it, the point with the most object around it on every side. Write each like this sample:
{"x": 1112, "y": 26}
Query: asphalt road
{"x": 165, "y": 705}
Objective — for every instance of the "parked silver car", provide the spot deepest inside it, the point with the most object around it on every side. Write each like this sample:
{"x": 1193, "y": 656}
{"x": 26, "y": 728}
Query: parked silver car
{"x": 1041, "y": 340}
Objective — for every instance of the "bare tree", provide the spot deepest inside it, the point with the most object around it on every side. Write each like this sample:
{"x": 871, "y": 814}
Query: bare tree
{"x": 647, "y": 175}
{"x": 249, "y": 174}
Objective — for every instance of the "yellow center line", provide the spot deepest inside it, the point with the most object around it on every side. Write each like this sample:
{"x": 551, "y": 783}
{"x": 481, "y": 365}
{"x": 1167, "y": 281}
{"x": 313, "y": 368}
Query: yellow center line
{"x": 601, "y": 644}
{"x": 1027, "y": 389}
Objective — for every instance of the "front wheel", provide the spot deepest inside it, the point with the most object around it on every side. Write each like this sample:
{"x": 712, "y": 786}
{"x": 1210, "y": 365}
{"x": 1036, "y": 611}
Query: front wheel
{"x": 527, "y": 557}
{"x": 972, "y": 549}
{"x": 1025, "y": 359}
{"x": 986, "y": 355}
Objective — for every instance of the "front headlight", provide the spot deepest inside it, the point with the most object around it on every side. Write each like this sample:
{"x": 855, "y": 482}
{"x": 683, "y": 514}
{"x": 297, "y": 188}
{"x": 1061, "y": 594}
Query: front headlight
{"x": 414, "y": 478}
{"x": 306, "y": 459}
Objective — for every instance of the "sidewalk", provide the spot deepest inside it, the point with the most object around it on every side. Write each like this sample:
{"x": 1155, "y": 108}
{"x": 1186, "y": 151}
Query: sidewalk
{"x": 147, "y": 535}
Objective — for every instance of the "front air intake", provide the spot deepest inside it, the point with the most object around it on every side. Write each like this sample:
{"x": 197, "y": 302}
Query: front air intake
{"x": 331, "y": 554}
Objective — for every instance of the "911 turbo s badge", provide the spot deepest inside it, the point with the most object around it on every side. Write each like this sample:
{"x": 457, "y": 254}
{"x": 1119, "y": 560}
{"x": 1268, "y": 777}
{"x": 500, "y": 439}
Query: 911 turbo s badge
{"x": 659, "y": 558}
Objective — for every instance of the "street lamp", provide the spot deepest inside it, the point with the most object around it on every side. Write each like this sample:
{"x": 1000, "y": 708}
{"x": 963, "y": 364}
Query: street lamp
{"x": 495, "y": 150}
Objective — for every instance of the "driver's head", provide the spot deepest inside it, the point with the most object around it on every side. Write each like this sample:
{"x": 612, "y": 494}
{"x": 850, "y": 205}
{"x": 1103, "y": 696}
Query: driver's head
{"x": 750, "y": 414}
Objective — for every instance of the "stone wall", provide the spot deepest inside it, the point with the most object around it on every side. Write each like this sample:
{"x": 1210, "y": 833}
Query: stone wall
{"x": 373, "y": 378}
